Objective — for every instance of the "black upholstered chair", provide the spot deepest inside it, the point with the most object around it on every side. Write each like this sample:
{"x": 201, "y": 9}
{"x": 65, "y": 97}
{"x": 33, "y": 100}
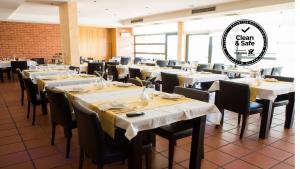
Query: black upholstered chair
{"x": 181, "y": 129}
{"x": 265, "y": 71}
{"x": 276, "y": 71}
{"x": 21, "y": 84}
{"x": 110, "y": 63}
{"x": 22, "y": 65}
{"x": 134, "y": 72}
{"x": 76, "y": 68}
{"x": 218, "y": 66}
{"x": 39, "y": 61}
{"x": 61, "y": 114}
{"x": 112, "y": 70}
{"x": 172, "y": 62}
{"x": 98, "y": 66}
{"x": 137, "y": 60}
{"x": 200, "y": 67}
{"x": 281, "y": 100}
{"x": 7, "y": 70}
{"x": 206, "y": 85}
{"x": 169, "y": 82}
{"x": 235, "y": 97}
{"x": 34, "y": 98}
{"x": 97, "y": 145}
{"x": 162, "y": 63}
{"x": 125, "y": 60}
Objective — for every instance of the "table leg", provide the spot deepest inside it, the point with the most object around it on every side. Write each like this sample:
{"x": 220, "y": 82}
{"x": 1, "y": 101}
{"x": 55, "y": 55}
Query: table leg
{"x": 265, "y": 118}
{"x": 197, "y": 148}
{"x": 136, "y": 152}
{"x": 290, "y": 111}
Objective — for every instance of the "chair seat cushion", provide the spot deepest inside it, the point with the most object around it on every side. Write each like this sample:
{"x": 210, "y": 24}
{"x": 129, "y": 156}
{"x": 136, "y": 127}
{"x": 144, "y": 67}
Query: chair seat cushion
{"x": 175, "y": 131}
{"x": 255, "y": 106}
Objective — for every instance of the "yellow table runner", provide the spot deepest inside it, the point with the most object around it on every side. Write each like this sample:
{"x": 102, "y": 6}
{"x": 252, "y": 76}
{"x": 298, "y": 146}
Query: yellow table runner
{"x": 108, "y": 118}
{"x": 253, "y": 93}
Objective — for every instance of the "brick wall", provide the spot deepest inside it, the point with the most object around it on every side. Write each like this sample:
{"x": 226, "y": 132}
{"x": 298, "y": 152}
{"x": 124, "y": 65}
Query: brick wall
{"x": 29, "y": 40}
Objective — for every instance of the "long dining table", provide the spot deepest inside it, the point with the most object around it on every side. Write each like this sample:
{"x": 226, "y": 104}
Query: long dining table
{"x": 185, "y": 77}
{"x": 158, "y": 111}
{"x": 267, "y": 91}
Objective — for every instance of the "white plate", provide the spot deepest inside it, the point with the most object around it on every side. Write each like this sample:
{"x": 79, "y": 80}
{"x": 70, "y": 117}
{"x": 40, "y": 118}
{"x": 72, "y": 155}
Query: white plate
{"x": 124, "y": 84}
{"x": 75, "y": 89}
{"x": 171, "y": 96}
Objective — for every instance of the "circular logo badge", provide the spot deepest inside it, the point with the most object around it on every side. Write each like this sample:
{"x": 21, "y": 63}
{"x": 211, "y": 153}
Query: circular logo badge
{"x": 244, "y": 42}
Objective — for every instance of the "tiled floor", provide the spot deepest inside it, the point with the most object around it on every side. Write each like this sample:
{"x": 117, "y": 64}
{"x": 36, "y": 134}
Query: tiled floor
{"x": 23, "y": 146}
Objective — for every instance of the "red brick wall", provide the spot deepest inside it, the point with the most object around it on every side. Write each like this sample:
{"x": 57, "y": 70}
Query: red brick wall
{"x": 29, "y": 40}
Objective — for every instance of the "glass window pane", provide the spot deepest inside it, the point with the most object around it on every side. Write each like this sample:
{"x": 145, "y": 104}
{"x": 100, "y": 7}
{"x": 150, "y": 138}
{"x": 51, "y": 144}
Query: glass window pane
{"x": 151, "y": 56}
{"x": 150, "y": 48}
{"x": 217, "y": 55}
{"x": 150, "y": 39}
{"x": 172, "y": 41}
{"x": 198, "y": 48}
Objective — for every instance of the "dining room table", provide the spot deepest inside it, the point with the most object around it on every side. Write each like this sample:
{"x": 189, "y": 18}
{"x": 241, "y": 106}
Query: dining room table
{"x": 114, "y": 101}
{"x": 185, "y": 77}
{"x": 7, "y": 63}
{"x": 267, "y": 91}
{"x": 34, "y": 73}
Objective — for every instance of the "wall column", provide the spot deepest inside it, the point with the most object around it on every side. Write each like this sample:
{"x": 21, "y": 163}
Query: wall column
{"x": 69, "y": 33}
{"x": 181, "y": 42}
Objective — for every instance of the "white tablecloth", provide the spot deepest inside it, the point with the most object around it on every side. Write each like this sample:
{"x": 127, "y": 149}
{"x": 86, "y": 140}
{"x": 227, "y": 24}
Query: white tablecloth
{"x": 5, "y": 64}
{"x": 153, "y": 118}
{"x": 265, "y": 90}
{"x": 65, "y": 82}
{"x": 33, "y": 74}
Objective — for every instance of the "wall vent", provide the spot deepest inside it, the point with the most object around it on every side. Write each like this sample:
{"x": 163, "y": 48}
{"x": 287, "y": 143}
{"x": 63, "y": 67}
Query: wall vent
{"x": 202, "y": 10}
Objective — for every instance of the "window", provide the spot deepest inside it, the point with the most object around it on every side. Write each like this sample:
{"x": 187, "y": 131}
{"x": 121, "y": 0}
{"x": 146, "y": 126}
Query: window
{"x": 150, "y": 46}
{"x": 197, "y": 48}
{"x": 217, "y": 55}
{"x": 172, "y": 42}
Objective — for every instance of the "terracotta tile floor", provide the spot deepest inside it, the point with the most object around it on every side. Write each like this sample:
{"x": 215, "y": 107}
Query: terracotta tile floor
{"x": 23, "y": 146}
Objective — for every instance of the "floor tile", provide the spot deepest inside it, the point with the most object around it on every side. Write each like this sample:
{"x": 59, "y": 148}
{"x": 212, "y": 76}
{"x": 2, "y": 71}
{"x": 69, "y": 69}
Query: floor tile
{"x": 235, "y": 150}
{"x": 260, "y": 160}
{"x": 239, "y": 164}
{"x": 218, "y": 157}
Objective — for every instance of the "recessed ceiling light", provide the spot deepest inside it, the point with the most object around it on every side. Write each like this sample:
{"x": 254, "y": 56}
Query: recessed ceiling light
{"x": 147, "y": 7}
{"x": 95, "y": 1}
{"x": 231, "y": 14}
{"x": 106, "y": 9}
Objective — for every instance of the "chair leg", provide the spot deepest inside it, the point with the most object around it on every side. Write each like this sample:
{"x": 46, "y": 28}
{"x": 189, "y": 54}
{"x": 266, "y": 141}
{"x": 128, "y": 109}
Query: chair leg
{"x": 171, "y": 153}
{"x": 68, "y": 145}
{"x": 81, "y": 158}
{"x": 239, "y": 119}
{"x": 44, "y": 108}
{"x": 153, "y": 140}
{"x": 53, "y": 133}
{"x": 28, "y": 109}
{"x": 99, "y": 167}
{"x": 22, "y": 97}
{"x": 148, "y": 156}
{"x": 245, "y": 118}
{"x": 33, "y": 115}
{"x": 272, "y": 113}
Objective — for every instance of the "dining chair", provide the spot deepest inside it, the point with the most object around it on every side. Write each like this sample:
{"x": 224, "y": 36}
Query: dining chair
{"x": 169, "y": 82}
{"x": 276, "y": 71}
{"x": 125, "y": 60}
{"x": 200, "y": 67}
{"x": 112, "y": 70}
{"x": 34, "y": 98}
{"x": 281, "y": 100}
{"x": 99, "y": 66}
{"x": 7, "y": 70}
{"x": 22, "y": 65}
{"x": 181, "y": 129}
{"x": 76, "y": 68}
{"x": 162, "y": 63}
{"x": 61, "y": 114}
{"x": 206, "y": 85}
{"x": 265, "y": 71}
{"x": 134, "y": 73}
{"x": 218, "y": 66}
{"x": 172, "y": 62}
{"x": 39, "y": 61}
{"x": 137, "y": 60}
{"x": 110, "y": 63}
{"x": 21, "y": 84}
{"x": 97, "y": 145}
{"x": 235, "y": 97}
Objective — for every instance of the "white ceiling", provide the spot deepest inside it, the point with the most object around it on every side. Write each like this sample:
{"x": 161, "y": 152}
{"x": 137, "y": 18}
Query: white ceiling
{"x": 107, "y": 13}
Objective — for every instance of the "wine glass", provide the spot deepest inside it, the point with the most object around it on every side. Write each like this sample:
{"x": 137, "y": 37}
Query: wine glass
{"x": 110, "y": 78}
